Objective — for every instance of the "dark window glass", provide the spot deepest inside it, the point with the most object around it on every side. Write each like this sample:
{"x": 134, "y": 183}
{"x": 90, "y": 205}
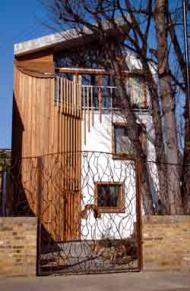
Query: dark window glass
{"x": 103, "y": 90}
{"x": 109, "y": 197}
{"x": 122, "y": 143}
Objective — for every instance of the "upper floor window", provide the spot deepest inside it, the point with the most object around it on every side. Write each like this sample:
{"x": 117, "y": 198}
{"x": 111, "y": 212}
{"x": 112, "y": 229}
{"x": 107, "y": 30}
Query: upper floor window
{"x": 122, "y": 145}
{"x": 98, "y": 91}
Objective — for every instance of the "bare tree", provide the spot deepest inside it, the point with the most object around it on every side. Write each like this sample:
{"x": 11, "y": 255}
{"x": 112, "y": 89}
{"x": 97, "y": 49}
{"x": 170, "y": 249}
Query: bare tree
{"x": 167, "y": 105}
{"x": 143, "y": 28}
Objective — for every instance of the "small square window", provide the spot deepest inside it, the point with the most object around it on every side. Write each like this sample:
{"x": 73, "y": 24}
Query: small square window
{"x": 122, "y": 145}
{"x": 109, "y": 197}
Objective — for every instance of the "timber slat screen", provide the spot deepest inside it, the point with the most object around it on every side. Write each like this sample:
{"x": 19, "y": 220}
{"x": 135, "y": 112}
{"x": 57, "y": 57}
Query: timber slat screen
{"x": 68, "y": 96}
{"x": 45, "y": 123}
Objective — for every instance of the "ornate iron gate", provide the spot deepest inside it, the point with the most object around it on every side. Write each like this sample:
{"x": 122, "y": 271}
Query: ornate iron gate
{"x": 100, "y": 229}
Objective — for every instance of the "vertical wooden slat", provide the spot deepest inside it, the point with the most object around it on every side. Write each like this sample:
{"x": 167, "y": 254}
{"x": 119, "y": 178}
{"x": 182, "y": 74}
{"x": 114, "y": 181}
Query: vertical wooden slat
{"x": 84, "y": 115}
{"x": 37, "y": 121}
{"x": 78, "y": 200}
{"x": 99, "y": 83}
{"x": 92, "y": 104}
{"x": 35, "y": 94}
{"x": 66, "y": 176}
{"x": 47, "y": 104}
{"x": 30, "y": 116}
{"x": 63, "y": 168}
{"x": 53, "y": 133}
{"x": 61, "y": 93}
{"x": 43, "y": 106}
{"x": 21, "y": 105}
{"x": 24, "y": 97}
{"x": 50, "y": 115}
{"x": 66, "y": 101}
{"x": 70, "y": 166}
{"x": 67, "y": 95}
{"x": 88, "y": 105}
{"x": 74, "y": 96}
{"x": 71, "y": 98}
{"x": 56, "y": 150}
{"x": 79, "y": 97}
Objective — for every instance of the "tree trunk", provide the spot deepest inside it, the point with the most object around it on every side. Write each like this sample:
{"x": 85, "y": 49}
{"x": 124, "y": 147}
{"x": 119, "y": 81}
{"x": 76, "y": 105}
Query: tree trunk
{"x": 186, "y": 179}
{"x": 158, "y": 140}
{"x": 186, "y": 157}
{"x": 186, "y": 160}
{"x": 167, "y": 104}
{"x": 133, "y": 130}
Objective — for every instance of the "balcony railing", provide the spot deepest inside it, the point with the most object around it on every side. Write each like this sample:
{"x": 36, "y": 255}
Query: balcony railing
{"x": 95, "y": 97}
{"x": 107, "y": 97}
{"x": 71, "y": 96}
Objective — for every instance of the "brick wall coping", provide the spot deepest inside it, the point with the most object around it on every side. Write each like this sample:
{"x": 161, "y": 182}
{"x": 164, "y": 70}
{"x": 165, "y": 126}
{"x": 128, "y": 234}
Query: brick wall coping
{"x": 159, "y": 219}
{"x": 16, "y": 219}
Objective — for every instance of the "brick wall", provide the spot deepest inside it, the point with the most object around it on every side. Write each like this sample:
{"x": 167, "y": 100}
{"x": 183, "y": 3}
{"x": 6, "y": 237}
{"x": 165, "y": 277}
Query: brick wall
{"x": 18, "y": 237}
{"x": 166, "y": 243}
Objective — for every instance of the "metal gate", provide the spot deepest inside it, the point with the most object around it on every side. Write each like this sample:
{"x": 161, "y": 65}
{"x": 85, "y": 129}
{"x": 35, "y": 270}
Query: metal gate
{"x": 100, "y": 230}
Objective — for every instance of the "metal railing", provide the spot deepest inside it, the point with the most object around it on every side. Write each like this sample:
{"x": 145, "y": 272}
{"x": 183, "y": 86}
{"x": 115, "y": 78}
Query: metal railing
{"x": 71, "y": 96}
{"x": 76, "y": 234}
{"x": 107, "y": 97}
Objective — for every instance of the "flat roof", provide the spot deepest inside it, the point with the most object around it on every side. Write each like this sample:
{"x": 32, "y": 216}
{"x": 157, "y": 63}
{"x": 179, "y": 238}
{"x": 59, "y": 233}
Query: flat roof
{"x": 45, "y": 42}
{"x": 56, "y": 39}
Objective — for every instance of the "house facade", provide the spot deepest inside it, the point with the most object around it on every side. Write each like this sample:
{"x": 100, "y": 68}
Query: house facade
{"x": 70, "y": 140}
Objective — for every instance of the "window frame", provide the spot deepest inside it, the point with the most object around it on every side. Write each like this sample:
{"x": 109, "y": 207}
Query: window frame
{"x": 120, "y": 208}
{"x": 119, "y": 156}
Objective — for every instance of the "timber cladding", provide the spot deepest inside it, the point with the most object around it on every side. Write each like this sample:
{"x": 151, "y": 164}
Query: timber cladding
{"x": 43, "y": 137}
{"x": 37, "y": 62}
{"x": 166, "y": 243}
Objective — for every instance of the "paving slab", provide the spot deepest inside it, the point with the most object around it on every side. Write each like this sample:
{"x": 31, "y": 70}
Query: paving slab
{"x": 142, "y": 281}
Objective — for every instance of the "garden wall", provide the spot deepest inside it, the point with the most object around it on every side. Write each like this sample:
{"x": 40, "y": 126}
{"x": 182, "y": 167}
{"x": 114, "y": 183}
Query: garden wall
{"x": 166, "y": 243}
{"x": 18, "y": 245}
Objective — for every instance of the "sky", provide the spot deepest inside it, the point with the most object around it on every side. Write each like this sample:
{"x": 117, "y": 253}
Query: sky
{"x": 20, "y": 20}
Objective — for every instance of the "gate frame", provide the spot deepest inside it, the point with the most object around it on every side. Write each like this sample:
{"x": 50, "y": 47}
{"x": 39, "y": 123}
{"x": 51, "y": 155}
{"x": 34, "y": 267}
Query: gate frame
{"x": 139, "y": 241}
{"x": 139, "y": 214}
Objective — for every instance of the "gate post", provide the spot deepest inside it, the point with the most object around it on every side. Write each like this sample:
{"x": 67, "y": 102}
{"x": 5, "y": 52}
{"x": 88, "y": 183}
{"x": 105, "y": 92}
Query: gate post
{"x": 138, "y": 167}
{"x": 38, "y": 212}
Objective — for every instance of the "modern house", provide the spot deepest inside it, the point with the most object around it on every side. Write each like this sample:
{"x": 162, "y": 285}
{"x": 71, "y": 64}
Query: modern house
{"x": 70, "y": 143}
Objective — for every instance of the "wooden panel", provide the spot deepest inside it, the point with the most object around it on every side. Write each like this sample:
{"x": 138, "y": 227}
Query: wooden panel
{"x": 38, "y": 62}
{"x": 49, "y": 145}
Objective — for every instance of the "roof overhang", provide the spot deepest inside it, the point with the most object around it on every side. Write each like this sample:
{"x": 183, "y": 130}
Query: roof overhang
{"x": 62, "y": 39}
{"x": 46, "y": 42}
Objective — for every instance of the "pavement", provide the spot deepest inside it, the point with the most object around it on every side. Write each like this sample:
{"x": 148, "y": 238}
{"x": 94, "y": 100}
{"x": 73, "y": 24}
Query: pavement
{"x": 142, "y": 281}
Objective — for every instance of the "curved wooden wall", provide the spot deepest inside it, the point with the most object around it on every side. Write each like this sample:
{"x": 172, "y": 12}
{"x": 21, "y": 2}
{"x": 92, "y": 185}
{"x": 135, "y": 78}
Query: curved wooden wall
{"x": 43, "y": 137}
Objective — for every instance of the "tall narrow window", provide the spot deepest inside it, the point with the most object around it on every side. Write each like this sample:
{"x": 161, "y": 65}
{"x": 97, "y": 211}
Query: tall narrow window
{"x": 122, "y": 145}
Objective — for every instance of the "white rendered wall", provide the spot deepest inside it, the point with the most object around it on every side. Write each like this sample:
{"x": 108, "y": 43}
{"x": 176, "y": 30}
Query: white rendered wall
{"x": 98, "y": 166}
